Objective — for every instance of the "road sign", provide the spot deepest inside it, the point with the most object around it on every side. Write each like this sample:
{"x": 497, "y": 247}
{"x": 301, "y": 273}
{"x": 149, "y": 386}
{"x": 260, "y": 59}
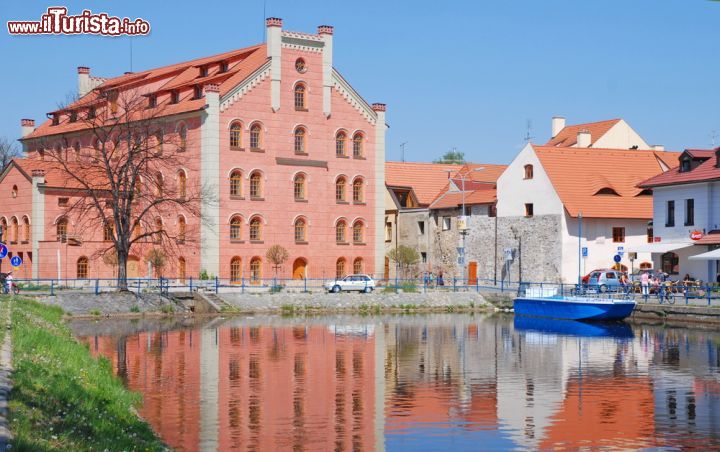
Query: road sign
{"x": 508, "y": 252}
{"x": 3, "y": 251}
{"x": 617, "y": 258}
{"x": 584, "y": 251}
{"x": 16, "y": 261}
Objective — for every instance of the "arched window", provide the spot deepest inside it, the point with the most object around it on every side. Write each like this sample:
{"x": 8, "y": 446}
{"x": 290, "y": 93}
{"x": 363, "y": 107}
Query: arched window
{"x": 299, "y": 187}
{"x": 159, "y": 139}
{"x": 358, "y": 236}
{"x": 670, "y": 263}
{"x": 236, "y": 228}
{"x": 256, "y": 136}
{"x": 528, "y": 171}
{"x": 255, "y": 270}
{"x": 158, "y": 230}
{"x": 26, "y": 229}
{"x": 76, "y": 149}
{"x": 300, "y": 230}
{"x": 14, "y": 191}
{"x": 358, "y": 145}
{"x": 256, "y": 229}
{"x": 300, "y": 97}
{"x": 341, "y": 144}
{"x": 340, "y": 268}
{"x": 236, "y": 184}
{"x": 14, "y": 231}
{"x": 235, "y": 269}
{"x": 5, "y": 230}
{"x": 182, "y": 184}
{"x": 159, "y": 182}
{"x": 182, "y": 269}
{"x": 61, "y": 229}
{"x": 236, "y": 135}
{"x": 256, "y": 185}
{"x": 97, "y": 146}
{"x": 340, "y": 227}
{"x": 108, "y": 232}
{"x": 182, "y": 226}
{"x": 182, "y": 137}
{"x": 645, "y": 265}
{"x": 340, "y": 184}
{"x": 299, "y": 140}
{"x": 82, "y": 268}
{"x": 358, "y": 195}
{"x": 358, "y": 265}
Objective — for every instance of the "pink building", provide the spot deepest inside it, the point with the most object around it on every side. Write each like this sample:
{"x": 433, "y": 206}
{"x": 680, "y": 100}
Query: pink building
{"x": 292, "y": 152}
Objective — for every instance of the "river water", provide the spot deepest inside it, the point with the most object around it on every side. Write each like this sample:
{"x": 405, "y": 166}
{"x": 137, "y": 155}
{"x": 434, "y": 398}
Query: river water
{"x": 417, "y": 382}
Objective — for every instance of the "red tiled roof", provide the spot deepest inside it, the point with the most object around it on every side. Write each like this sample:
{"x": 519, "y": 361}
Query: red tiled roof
{"x": 711, "y": 238}
{"x": 578, "y": 174}
{"x": 479, "y": 186}
{"x": 568, "y": 135}
{"x": 426, "y": 179}
{"x": 242, "y": 63}
{"x": 55, "y": 175}
{"x": 706, "y": 171}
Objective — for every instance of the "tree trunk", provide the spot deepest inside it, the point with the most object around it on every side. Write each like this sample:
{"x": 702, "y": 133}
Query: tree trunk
{"x": 122, "y": 270}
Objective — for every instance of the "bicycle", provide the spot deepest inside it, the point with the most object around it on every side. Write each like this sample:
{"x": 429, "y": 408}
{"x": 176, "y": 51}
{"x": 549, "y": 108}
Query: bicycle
{"x": 15, "y": 289}
{"x": 665, "y": 294}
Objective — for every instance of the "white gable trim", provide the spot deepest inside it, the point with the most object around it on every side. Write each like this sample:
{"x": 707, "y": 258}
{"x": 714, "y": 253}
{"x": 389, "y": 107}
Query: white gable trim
{"x": 245, "y": 86}
{"x": 352, "y": 97}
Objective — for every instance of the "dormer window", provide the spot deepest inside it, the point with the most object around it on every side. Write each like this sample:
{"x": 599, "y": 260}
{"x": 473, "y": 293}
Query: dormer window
{"x": 685, "y": 165}
{"x": 645, "y": 192}
{"x": 91, "y": 113}
{"x": 152, "y": 101}
{"x": 224, "y": 66}
{"x": 73, "y": 116}
{"x": 174, "y": 97}
{"x": 55, "y": 119}
{"x": 197, "y": 92}
{"x": 203, "y": 71}
{"x": 607, "y": 191}
{"x": 717, "y": 158}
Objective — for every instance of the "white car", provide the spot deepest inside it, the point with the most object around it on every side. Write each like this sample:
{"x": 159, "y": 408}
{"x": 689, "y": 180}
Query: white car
{"x": 361, "y": 283}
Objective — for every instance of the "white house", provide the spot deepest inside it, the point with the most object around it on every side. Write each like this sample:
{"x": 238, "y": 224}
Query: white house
{"x": 547, "y": 189}
{"x": 686, "y": 216}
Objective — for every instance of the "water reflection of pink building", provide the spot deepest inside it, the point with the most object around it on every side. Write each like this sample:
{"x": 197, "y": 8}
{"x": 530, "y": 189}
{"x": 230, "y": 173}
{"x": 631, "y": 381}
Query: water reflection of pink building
{"x": 261, "y": 388}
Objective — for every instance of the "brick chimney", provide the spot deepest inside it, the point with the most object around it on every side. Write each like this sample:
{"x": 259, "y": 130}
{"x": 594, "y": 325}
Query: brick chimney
{"x": 558, "y": 123}
{"x": 584, "y": 139}
{"x": 27, "y": 126}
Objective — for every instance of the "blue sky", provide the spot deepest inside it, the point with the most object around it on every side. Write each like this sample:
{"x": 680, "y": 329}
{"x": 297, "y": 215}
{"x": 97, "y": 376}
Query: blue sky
{"x": 465, "y": 74}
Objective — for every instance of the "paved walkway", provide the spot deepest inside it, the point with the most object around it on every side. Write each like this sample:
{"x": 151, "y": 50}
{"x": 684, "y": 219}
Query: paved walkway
{"x": 5, "y": 372}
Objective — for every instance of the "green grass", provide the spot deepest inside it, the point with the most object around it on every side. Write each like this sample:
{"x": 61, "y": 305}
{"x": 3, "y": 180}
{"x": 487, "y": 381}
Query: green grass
{"x": 62, "y": 397}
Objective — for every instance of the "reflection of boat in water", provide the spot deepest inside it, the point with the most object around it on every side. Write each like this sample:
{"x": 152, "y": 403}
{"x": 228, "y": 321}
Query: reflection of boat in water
{"x": 574, "y": 308}
{"x": 574, "y": 328}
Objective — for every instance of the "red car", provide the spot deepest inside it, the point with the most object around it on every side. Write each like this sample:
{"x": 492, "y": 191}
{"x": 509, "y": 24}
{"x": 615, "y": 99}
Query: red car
{"x": 586, "y": 278}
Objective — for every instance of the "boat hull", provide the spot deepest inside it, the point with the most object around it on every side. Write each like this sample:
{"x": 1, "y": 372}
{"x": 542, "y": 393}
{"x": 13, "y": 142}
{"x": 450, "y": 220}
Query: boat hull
{"x": 574, "y": 308}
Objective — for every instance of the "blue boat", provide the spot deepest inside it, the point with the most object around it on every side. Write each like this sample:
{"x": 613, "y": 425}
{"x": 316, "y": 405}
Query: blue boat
{"x": 573, "y": 328}
{"x": 574, "y": 307}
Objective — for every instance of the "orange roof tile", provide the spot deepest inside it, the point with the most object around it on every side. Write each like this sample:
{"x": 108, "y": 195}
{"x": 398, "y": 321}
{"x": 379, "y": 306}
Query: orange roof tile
{"x": 426, "y": 179}
{"x": 479, "y": 186}
{"x": 577, "y": 175}
{"x": 568, "y": 135}
{"x": 705, "y": 172}
{"x": 242, "y": 63}
{"x": 55, "y": 174}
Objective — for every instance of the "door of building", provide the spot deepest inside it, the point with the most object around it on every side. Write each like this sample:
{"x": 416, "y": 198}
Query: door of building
{"x": 133, "y": 267}
{"x": 472, "y": 273}
{"x": 299, "y": 268}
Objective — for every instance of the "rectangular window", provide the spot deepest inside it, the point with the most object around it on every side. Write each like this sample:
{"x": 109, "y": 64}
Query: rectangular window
{"x": 618, "y": 235}
{"x": 689, "y": 212}
{"x": 423, "y": 257}
{"x": 650, "y": 234}
{"x": 388, "y": 231}
{"x": 63, "y": 202}
{"x": 446, "y": 223}
{"x": 492, "y": 210}
{"x": 528, "y": 209}
{"x": 670, "y": 219}
{"x": 421, "y": 227}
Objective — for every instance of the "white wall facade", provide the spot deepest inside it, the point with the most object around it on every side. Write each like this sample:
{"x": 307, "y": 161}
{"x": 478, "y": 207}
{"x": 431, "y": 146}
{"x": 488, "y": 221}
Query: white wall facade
{"x": 621, "y": 136}
{"x": 514, "y": 191}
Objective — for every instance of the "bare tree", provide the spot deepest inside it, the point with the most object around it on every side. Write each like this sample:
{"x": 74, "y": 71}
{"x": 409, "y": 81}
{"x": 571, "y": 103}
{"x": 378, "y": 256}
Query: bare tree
{"x": 8, "y": 151}
{"x": 157, "y": 258}
{"x": 277, "y": 255}
{"x": 131, "y": 179}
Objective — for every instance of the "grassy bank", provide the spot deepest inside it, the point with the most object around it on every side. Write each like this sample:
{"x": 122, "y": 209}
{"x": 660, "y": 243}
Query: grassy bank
{"x": 62, "y": 397}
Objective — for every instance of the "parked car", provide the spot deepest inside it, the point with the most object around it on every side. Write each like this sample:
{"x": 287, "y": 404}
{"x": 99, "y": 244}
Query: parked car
{"x": 653, "y": 273}
{"x": 605, "y": 280}
{"x": 360, "y": 283}
{"x": 587, "y": 277}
